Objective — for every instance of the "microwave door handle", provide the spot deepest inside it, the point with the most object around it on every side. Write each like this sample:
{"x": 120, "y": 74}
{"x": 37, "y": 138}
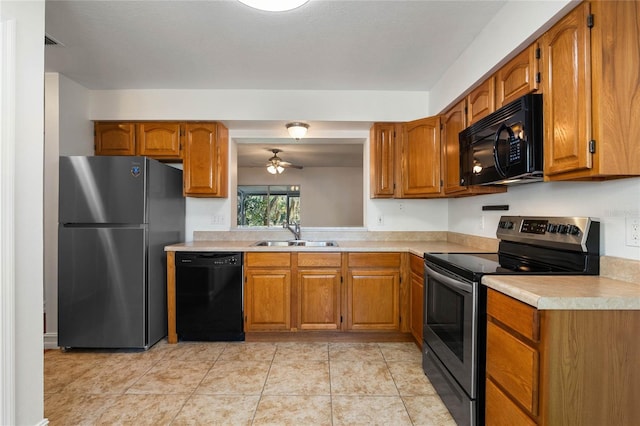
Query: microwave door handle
{"x": 496, "y": 157}
{"x": 459, "y": 285}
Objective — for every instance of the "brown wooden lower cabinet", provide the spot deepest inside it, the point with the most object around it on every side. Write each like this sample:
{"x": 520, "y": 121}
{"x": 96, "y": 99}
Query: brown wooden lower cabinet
{"x": 561, "y": 367}
{"x": 268, "y": 299}
{"x": 305, "y": 291}
{"x": 373, "y": 291}
{"x": 319, "y": 288}
{"x": 267, "y": 292}
{"x": 416, "y": 297}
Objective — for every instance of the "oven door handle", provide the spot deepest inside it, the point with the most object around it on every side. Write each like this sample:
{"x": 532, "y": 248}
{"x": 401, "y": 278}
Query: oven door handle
{"x": 451, "y": 282}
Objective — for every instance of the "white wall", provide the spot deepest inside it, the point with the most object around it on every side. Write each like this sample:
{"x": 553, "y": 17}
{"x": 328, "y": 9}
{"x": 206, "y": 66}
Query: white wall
{"x": 68, "y": 131}
{"x": 50, "y": 200}
{"x": 329, "y": 196}
{"x": 76, "y": 128}
{"x": 288, "y": 105}
{"x": 28, "y": 208}
{"x": 514, "y": 27}
{"x": 609, "y": 201}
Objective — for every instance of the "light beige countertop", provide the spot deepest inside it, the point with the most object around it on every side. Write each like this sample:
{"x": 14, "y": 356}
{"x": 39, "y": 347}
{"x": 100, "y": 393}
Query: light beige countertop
{"x": 568, "y": 291}
{"x": 618, "y": 286}
{"x": 415, "y": 247}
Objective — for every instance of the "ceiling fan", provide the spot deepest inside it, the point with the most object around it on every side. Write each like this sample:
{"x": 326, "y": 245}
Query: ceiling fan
{"x": 276, "y": 165}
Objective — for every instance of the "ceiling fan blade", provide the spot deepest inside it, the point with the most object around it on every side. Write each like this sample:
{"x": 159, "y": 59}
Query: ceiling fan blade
{"x": 277, "y": 161}
{"x": 289, "y": 165}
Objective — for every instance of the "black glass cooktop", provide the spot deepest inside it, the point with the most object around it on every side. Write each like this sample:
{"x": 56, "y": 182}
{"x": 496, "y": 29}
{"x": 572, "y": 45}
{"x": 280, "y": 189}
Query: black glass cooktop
{"x": 473, "y": 265}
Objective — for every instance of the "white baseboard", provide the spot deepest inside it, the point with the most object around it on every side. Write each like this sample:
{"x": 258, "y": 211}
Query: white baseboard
{"x": 51, "y": 340}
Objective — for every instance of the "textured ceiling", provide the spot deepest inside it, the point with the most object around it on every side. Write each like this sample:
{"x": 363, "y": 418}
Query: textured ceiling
{"x": 223, "y": 44}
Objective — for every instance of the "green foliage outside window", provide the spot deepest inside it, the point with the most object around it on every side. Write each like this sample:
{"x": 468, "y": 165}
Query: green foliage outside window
{"x": 268, "y": 205}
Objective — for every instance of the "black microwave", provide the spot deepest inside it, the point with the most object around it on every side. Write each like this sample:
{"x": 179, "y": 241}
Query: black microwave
{"x": 505, "y": 147}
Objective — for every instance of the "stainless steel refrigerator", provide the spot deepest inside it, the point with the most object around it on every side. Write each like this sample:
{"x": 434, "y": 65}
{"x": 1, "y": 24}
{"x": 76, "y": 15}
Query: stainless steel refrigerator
{"x": 116, "y": 214}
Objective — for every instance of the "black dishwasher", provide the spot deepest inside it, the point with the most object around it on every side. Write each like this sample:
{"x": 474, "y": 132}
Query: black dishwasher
{"x": 209, "y": 296}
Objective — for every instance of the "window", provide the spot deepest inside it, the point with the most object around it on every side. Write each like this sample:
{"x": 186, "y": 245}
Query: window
{"x": 268, "y": 205}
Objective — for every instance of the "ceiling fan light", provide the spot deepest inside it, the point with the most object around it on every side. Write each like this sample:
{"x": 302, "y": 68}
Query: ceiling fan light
{"x": 297, "y": 130}
{"x": 275, "y": 169}
{"x": 274, "y": 5}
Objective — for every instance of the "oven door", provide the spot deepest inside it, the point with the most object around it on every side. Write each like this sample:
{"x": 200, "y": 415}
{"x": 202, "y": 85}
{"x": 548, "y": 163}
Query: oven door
{"x": 450, "y": 328}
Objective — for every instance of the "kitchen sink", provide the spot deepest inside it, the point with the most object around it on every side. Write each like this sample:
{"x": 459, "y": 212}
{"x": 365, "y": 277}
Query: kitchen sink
{"x": 296, "y": 243}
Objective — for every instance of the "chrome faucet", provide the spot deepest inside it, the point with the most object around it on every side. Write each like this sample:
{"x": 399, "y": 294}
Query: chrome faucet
{"x": 295, "y": 230}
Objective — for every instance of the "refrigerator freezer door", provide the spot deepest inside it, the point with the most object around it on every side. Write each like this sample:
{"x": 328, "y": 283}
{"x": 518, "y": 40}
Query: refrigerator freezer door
{"x": 101, "y": 287}
{"x": 103, "y": 189}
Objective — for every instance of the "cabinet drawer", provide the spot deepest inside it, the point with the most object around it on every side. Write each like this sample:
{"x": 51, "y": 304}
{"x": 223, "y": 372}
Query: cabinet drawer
{"x": 319, "y": 259}
{"x": 416, "y": 263}
{"x": 514, "y": 314}
{"x": 378, "y": 260}
{"x": 260, "y": 260}
{"x": 501, "y": 411}
{"x": 514, "y": 365}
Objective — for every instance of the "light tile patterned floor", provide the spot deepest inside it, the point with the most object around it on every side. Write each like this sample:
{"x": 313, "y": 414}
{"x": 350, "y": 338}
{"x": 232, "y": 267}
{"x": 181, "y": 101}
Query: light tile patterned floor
{"x": 243, "y": 383}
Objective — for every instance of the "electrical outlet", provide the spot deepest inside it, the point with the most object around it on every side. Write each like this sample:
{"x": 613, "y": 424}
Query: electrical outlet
{"x": 633, "y": 231}
{"x": 380, "y": 219}
{"x": 401, "y": 206}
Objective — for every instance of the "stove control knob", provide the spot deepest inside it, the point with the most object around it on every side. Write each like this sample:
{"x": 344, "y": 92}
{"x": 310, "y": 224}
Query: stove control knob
{"x": 573, "y": 230}
{"x": 562, "y": 229}
{"x": 505, "y": 224}
{"x": 552, "y": 228}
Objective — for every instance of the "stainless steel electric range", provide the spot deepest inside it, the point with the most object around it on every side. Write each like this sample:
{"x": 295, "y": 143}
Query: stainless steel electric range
{"x": 455, "y": 301}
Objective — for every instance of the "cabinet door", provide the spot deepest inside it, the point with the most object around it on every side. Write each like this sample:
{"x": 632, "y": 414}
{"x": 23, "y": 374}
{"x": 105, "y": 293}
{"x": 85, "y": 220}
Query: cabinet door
{"x": 382, "y": 165}
{"x": 373, "y": 299}
{"x": 453, "y": 122}
{"x": 481, "y": 101}
{"x": 268, "y": 299}
{"x": 319, "y": 299}
{"x": 514, "y": 365}
{"x": 420, "y": 168}
{"x": 159, "y": 140}
{"x": 501, "y": 411}
{"x": 114, "y": 138}
{"x": 205, "y": 160}
{"x": 517, "y": 77}
{"x": 566, "y": 85}
{"x": 417, "y": 307}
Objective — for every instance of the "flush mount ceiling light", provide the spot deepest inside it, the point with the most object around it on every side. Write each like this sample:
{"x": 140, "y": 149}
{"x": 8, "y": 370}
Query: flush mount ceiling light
{"x": 297, "y": 130}
{"x": 274, "y": 5}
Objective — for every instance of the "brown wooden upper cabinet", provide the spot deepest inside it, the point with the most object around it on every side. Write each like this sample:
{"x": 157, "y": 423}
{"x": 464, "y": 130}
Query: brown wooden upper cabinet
{"x": 205, "y": 160}
{"x": 114, "y": 138}
{"x": 420, "y": 159}
{"x": 453, "y": 122}
{"x": 481, "y": 101}
{"x": 382, "y": 142}
{"x": 518, "y": 77}
{"x": 405, "y": 159}
{"x": 159, "y": 140}
{"x": 590, "y": 64}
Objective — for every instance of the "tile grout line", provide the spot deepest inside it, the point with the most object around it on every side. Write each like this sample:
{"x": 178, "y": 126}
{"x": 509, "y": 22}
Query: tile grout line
{"x": 255, "y": 411}
{"x": 199, "y": 383}
{"x": 396, "y": 385}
